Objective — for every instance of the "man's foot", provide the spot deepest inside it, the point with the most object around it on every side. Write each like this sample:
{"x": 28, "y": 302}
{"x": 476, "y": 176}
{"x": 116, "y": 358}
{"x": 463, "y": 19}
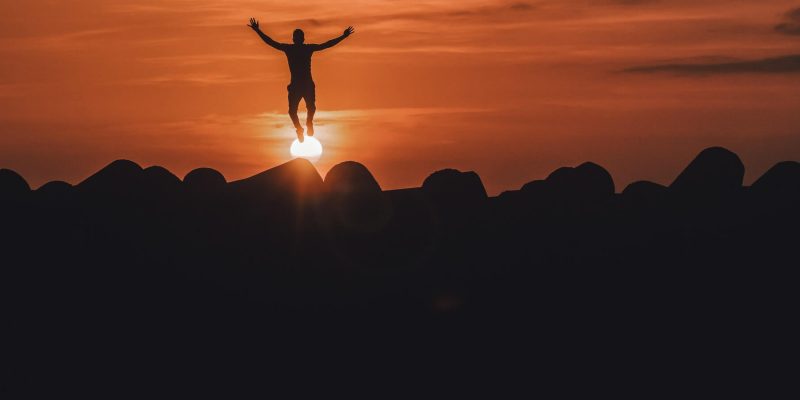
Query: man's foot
{"x": 310, "y": 128}
{"x": 300, "y": 134}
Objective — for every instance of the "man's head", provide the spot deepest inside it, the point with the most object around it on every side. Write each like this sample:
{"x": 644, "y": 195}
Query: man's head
{"x": 298, "y": 36}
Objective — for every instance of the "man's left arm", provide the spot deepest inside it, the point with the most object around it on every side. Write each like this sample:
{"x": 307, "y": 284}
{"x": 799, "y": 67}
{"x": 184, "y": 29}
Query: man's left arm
{"x": 333, "y": 42}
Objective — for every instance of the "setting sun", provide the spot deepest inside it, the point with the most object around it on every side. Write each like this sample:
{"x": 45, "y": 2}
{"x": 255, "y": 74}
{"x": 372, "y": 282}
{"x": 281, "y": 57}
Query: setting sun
{"x": 310, "y": 149}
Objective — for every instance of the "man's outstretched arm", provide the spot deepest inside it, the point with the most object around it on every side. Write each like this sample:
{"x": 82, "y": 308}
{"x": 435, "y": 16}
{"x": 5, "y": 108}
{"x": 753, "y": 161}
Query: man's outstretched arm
{"x": 268, "y": 40}
{"x": 333, "y": 42}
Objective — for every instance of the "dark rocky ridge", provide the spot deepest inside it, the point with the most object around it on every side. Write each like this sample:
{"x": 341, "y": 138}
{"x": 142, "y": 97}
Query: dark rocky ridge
{"x": 220, "y": 277}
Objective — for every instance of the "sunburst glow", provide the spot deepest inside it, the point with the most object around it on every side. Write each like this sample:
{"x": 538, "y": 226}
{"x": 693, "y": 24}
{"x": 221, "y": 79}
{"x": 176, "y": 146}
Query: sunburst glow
{"x": 310, "y": 149}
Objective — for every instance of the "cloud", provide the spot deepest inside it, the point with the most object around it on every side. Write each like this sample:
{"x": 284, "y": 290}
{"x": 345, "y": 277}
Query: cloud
{"x": 204, "y": 58}
{"x": 521, "y": 6}
{"x": 773, "y": 65}
{"x": 634, "y": 2}
{"x": 203, "y": 79}
{"x": 792, "y": 24}
{"x": 67, "y": 41}
{"x": 431, "y": 14}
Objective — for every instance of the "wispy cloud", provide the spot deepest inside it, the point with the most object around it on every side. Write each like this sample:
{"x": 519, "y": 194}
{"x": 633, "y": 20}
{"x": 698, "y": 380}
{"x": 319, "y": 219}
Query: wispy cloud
{"x": 68, "y": 41}
{"x": 206, "y": 58}
{"x": 204, "y": 79}
{"x": 791, "y": 25}
{"x": 772, "y": 65}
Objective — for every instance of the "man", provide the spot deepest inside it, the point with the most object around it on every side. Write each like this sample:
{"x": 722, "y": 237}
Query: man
{"x": 301, "y": 86}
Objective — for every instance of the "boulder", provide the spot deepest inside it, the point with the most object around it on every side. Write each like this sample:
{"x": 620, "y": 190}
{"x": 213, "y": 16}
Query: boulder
{"x": 355, "y": 199}
{"x": 55, "y": 190}
{"x": 55, "y": 187}
{"x": 12, "y": 184}
{"x": 56, "y": 195}
{"x": 204, "y": 179}
{"x": 350, "y": 177}
{"x": 782, "y": 179}
{"x": 159, "y": 189}
{"x": 644, "y": 192}
{"x": 534, "y": 187}
{"x": 121, "y": 177}
{"x": 595, "y": 179}
{"x": 160, "y": 179}
{"x": 587, "y": 181}
{"x": 714, "y": 172}
{"x": 451, "y": 185}
{"x": 296, "y": 182}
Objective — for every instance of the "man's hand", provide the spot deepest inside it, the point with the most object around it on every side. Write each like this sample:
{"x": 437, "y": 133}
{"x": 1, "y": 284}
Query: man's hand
{"x": 347, "y": 32}
{"x": 268, "y": 40}
{"x": 254, "y": 24}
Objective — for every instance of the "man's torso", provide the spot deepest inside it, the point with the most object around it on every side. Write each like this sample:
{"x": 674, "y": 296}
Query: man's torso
{"x": 299, "y": 56}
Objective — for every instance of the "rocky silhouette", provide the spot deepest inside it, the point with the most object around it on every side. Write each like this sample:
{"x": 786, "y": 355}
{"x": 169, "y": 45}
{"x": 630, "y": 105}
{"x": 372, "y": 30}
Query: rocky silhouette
{"x": 13, "y": 187}
{"x": 781, "y": 180}
{"x": 136, "y": 279}
{"x": 715, "y": 171}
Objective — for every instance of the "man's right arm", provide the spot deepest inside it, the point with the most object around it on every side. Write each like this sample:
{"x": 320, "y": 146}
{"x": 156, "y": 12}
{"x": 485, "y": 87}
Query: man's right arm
{"x": 268, "y": 40}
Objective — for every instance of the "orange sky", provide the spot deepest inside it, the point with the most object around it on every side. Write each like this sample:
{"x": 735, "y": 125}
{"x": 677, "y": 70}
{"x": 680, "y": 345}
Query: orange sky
{"x": 510, "y": 89}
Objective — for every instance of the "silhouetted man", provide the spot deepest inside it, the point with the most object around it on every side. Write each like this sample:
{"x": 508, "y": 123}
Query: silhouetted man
{"x": 301, "y": 86}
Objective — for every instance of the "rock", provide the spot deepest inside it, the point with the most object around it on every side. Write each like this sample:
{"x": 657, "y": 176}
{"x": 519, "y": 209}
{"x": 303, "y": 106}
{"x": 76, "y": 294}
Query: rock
{"x": 350, "y": 177}
{"x": 160, "y": 174}
{"x": 55, "y": 187}
{"x": 204, "y": 179}
{"x": 451, "y": 185}
{"x": 296, "y": 180}
{"x": 55, "y": 190}
{"x": 12, "y": 184}
{"x": 587, "y": 181}
{"x": 782, "y": 179}
{"x": 118, "y": 178}
{"x": 534, "y": 187}
{"x": 596, "y": 179}
{"x": 644, "y": 192}
{"x": 354, "y": 198}
{"x": 714, "y": 172}
{"x": 564, "y": 176}
{"x": 160, "y": 179}
{"x": 56, "y": 195}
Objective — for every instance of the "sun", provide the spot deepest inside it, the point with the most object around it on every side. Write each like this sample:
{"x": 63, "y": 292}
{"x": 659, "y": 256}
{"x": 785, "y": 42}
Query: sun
{"x": 310, "y": 149}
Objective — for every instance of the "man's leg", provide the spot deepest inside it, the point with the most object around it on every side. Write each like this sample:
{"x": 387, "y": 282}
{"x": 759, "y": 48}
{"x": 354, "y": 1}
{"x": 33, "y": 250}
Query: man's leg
{"x": 311, "y": 106}
{"x": 294, "y": 102}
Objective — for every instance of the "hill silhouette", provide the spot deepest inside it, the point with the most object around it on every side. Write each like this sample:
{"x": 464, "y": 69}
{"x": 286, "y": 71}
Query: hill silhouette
{"x": 134, "y": 278}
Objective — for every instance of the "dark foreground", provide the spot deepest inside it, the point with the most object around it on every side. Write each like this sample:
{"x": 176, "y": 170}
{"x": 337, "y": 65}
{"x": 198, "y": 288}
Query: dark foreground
{"x": 136, "y": 283}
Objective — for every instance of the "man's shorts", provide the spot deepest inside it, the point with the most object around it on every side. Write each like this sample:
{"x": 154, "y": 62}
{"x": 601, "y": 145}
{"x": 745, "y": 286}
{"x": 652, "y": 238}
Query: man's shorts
{"x": 301, "y": 91}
